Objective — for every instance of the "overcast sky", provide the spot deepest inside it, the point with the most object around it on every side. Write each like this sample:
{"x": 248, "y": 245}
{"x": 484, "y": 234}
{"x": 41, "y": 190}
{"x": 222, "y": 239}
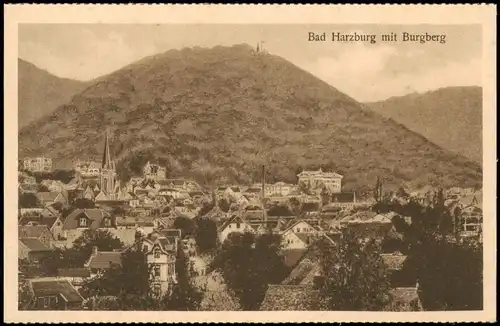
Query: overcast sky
{"x": 367, "y": 72}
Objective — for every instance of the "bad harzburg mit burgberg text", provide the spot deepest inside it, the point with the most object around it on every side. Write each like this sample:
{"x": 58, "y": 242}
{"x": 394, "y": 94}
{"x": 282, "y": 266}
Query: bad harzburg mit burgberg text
{"x": 372, "y": 38}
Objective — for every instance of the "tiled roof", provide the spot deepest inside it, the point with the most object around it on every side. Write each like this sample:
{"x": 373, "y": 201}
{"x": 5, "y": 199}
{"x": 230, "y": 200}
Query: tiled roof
{"x": 95, "y": 215}
{"x": 310, "y": 276}
{"x": 73, "y": 272}
{"x": 343, "y": 197}
{"x": 330, "y": 208}
{"x": 104, "y": 260}
{"x": 127, "y": 236}
{"x": 299, "y": 272}
{"x": 310, "y": 207}
{"x": 253, "y": 190}
{"x": 47, "y": 196}
{"x": 290, "y": 297}
{"x": 49, "y": 221}
{"x": 176, "y": 182}
{"x": 34, "y": 231}
{"x": 404, "y": 295}
{"x": 132, "y": 221}
{"x": 34, "y": 244}
{"x": 170, "y": 232}
{"x": 394, "y": 261}
{"x": 56, "y": 287}
{"x": 252, "y": 214}
{"x": 360, "y": 216}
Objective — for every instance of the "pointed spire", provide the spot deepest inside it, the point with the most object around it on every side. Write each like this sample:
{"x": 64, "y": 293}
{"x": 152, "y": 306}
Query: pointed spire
{"x": 106, "y": 158}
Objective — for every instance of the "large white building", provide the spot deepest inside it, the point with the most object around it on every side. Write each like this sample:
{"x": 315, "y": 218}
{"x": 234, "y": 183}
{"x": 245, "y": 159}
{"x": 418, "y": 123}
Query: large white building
{"x": 317, "y": 180}
{"x": 38, "y": 164}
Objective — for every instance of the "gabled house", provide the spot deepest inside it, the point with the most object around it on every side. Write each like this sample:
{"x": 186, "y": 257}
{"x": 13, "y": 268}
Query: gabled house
{"x": 298, "y": 235}
{"x": 39, "y": 232}
{"x": 172, "y": 192}
{"x": 344, "y": 200}
{"x": 234, "y": 224}
{"x": 310, "y": 208}
{"x": 76, "y": 276}
{"x": 32, "y": 249}
{"x": 215, "y": 214}
{"x": 51, "y": 197}
{"x": 54, "y": 294}
{"x": 100, "y": 261}
{"x": 88, "y": 193}
{"x": 53, "y": 223}
{"x": 89, "y": 218}
{"x": 82, "y": 219}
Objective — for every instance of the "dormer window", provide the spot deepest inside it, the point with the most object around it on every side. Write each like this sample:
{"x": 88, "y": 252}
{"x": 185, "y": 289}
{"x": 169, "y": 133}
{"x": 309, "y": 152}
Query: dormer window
{"x": 107, "y": 222}
{"x": 83, "y": 222}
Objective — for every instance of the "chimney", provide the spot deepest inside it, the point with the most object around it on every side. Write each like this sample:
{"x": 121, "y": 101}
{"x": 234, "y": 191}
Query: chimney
{"x": 94, "y": 250}
{"x": 263, "y": 192}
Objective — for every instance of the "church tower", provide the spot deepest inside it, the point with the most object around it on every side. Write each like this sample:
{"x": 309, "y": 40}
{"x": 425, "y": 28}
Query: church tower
{"x": 107, "y": 178}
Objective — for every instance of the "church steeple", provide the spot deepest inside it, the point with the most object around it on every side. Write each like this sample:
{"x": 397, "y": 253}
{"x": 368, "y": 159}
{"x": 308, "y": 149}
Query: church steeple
{"x": 106, "y": 158}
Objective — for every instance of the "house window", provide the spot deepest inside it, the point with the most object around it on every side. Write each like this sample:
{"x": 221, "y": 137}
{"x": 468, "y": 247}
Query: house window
{"x": 83, "y": 222}
{"x": 107, "y": 222}
{"x": 237, "y": 225}
{"x": 46, "y": 302}
{"x": 157, "y": 253}
{"x": 156, "y": 271}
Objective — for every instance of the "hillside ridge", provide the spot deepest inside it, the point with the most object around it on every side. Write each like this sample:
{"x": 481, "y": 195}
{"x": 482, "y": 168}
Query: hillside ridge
{"x": 218, "y": 114}
{"x": 451, "y": 117}
{"x": 40, "y": 92}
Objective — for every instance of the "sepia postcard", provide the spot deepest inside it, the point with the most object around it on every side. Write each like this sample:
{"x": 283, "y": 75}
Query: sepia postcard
{"x": 250, "y": 163}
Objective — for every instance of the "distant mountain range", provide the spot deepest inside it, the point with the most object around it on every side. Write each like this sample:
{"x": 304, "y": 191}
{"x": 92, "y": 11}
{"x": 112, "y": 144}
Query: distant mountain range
{"x": 40, "y": 92}
{"x": 450, "y": 117}
{"x": 218, "y": 114}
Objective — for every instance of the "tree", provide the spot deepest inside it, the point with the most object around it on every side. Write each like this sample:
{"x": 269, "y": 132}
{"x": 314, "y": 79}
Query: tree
{"x": 129, "y": 279}
{"x": 444, "y": 266}
{"x": 206, "y": 235}
{"x": 248, "y": 264}
{"x": 325, "y": 196}
{"x": 184, "y": 295}
{"x": 131, "y": 285}
{"x": 64, "y": 176}
{"x": 294, "y": 206}
{"x": 354, "y": 276}
{"x": 81, "y": 250}
{"x": 186, "y": 225}
{"x": 28, "y": 200}
{"x": 25, "y": 296}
